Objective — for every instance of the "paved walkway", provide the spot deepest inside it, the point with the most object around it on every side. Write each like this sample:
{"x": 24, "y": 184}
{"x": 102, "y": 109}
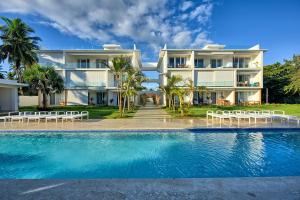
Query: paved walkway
{"x": 204, "y": 188}
{"x": 151, "y": 111}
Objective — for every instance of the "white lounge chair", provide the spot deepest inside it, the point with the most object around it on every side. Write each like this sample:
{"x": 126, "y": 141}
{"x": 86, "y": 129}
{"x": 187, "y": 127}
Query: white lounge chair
{"x": 5, "y": 119}
{"x": 85, "y": 114}
{"x": 258, "y": 115}
{"x": 218, "y": 114}
{"x": 71, "y": 115}
{"x": 55, "y": 116}
{"x": 32, "y": 116}
{"x": 19, "y": 118}
{"x": 295, "y": 118}
{"x": 238, "y": 114}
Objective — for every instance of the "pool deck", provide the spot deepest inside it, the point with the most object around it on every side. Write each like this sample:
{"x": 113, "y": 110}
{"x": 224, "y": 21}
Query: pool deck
{"x": 204, "y": 188}
{"x": 136, "y": 124}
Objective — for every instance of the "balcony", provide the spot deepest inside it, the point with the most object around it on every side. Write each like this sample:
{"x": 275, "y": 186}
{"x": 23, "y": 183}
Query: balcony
{"x": 217, "y": 84}
{"x": 75, "y": 65}
{"x": 179, "y": 67}
{"x": 247, "y": 80}
{"x": 85, "y": 85}
{"x": 248, "y": 84}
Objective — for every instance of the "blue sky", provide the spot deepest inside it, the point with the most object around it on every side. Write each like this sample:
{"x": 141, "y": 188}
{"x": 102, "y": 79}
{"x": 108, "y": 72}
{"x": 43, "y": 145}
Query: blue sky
{"x": 78, "y": 24}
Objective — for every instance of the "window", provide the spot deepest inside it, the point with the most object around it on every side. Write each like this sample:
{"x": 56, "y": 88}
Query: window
{"x": 245, "y": 96}
{"x": 177, "y": 62}
{"x": 199, "y": 63}
{"x": 171, "y": 62}
{"x": 243, "y": 78}
{"x": 214, "y": 63}
{"x": 83, "y": 63}
{"x": 241, "y": 62}
{"x": 101, "y": 63}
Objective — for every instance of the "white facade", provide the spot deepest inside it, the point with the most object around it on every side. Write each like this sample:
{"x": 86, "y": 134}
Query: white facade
{"x": 229, "y": 76}
{"x": 87, "y": 80}
{"x": 9, "y": 95}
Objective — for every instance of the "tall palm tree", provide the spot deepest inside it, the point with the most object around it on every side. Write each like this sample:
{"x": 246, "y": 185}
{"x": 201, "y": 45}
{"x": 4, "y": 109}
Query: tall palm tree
{"x": 133, "y": 84}
{"x": 44, "y": 79}
{"x": 2, "y": 73}
{"x": 120, "y": 65}
{"x": 167, "y": 89}
{"x": 18, "y": 46}
{"x": 190, "y": 89}
{"x": 180, "y": 92}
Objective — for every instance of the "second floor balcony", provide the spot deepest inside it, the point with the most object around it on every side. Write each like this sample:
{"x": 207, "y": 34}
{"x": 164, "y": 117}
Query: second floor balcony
{"x": 73, "y": 84}
{"x": 177, "y": 62}
{"x": 216, "y": 83}
{"x": 75, "y": 65}
{"x": 247, "y": 80}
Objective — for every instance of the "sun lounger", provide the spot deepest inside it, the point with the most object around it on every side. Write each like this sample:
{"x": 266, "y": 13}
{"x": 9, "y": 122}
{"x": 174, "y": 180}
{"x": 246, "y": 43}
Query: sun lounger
{"x": 5, "y": 119}
{"x": 258, "y": 115}
{"x": 218, "y": 115}
{"x": 85, "y": 114}
{"x": 34, "y": 117}
{"x": 239, "y": 115}
{"x": 55, "y": 116}
{"x": 72, "y": 116}
{"x": 295, "y": 118}
{"x": 19, "y": 118}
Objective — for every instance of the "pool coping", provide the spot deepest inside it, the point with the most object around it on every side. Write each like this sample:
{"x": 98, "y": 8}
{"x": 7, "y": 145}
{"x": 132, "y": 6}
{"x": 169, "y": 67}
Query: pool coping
{"x": 163, "y": 129}
{"x": 185, "y": 188}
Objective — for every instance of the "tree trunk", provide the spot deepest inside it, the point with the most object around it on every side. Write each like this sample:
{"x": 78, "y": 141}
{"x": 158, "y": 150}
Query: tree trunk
{"x": 170, "y": 101}
{"x": 124, "y": 104}
{"x": 181, "y": 108}
{"x": 120, "y": 106}
{"x": 19, "y": 74}
{"x": 44, "y": 100}
{"x": 128, "y": 103}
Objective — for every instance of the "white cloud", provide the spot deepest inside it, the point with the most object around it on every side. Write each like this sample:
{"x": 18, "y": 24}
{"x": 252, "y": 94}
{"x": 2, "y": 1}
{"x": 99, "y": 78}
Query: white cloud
{"x": 150, "y": 22}
{"x": 201, "y": 39}
{"x": 186, "y": 5}
{"x": 202, "y": 12}
{"x": 182, "y": 39}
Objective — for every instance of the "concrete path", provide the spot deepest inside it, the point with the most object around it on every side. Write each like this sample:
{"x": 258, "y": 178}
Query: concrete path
{"x": 151, "y": 111}
{"x": 204, "y": 188}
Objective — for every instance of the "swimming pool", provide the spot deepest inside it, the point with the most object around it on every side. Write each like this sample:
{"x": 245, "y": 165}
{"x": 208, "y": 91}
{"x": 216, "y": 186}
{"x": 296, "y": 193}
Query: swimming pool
{"x": 150, "y": 154}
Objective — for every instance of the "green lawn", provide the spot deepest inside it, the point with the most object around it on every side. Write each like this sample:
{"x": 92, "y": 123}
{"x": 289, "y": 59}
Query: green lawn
{"x": 96, "y": 112}
{"x": 200, "y": 111}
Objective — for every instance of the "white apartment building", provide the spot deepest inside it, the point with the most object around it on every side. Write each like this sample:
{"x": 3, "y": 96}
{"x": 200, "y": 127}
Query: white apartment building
{"x": 87, "y": 80}
{"x": 230, "y": 76}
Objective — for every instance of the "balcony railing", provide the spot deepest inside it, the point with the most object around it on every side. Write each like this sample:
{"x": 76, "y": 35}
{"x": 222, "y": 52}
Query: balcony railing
{"x": 179, "y": 66}
{"x": 217, "y": 84}
{"x": 247, "y": 84}
{"x": 85, "y": 84}
{"x": 72, "y": 65}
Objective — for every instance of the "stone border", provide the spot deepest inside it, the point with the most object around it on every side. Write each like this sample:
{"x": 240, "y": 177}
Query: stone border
{"x": 194, "y": 188}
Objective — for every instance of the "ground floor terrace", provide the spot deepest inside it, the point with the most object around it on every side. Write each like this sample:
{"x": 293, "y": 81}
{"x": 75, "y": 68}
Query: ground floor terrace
{"x": 219, "y": 96}
{"x": 93, "y": 97}
{"x": 109, "y": 97}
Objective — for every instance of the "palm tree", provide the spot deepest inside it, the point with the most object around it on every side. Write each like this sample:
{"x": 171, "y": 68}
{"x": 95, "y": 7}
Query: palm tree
{"x": 2, "y": 73}
{"x": 180, "y": 92}
{"x": 167, "y": 89}
{"x": 120, "y": 65}
{"x": 18, "y": 46}
{"x": 191, "y": 89}
{"x": 132, "y": 84}
{"x": 44, "y": 79}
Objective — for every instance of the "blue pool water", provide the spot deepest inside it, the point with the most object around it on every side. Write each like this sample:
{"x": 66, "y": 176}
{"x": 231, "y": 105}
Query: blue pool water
{"x": 155, "y": 154}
